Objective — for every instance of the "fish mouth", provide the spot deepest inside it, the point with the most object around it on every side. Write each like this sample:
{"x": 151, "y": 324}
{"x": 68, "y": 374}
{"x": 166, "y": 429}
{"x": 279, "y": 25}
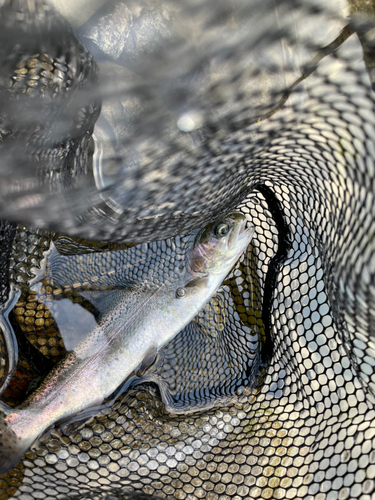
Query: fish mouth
{"x": 241, "y": 235}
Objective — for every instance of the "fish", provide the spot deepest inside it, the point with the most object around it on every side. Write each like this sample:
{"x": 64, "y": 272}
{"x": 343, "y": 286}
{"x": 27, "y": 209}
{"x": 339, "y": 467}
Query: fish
{"x": 135, "y": 322}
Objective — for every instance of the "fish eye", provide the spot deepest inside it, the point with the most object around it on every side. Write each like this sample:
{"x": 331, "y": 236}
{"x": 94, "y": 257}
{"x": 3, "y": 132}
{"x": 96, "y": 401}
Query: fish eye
{"x": 180, "y": 292}
{"x": 221, "y": 230}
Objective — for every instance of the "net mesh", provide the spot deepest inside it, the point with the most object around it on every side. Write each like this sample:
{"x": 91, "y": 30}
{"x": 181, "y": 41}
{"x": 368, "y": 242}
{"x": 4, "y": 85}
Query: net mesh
{"x": 269, "y": 392}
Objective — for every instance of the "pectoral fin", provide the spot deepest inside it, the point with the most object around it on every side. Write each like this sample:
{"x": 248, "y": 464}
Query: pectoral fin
{"x": 201, "y": 282}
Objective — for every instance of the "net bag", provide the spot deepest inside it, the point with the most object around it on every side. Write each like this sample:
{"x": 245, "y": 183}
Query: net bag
{"x": 184, "y": 114}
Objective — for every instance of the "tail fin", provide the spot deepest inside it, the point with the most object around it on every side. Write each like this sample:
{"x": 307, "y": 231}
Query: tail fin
{"x": 12, "y": 447}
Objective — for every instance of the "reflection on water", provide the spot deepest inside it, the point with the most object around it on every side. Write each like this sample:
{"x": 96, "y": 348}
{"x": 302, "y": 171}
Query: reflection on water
{"x": 73, "y": 321}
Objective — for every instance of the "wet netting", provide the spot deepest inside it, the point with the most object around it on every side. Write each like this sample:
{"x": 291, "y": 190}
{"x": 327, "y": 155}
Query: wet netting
{"x": 129, "y": 122}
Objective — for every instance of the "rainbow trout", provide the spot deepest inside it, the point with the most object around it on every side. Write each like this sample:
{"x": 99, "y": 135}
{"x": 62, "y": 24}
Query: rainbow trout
{"x": 134, "y": 324}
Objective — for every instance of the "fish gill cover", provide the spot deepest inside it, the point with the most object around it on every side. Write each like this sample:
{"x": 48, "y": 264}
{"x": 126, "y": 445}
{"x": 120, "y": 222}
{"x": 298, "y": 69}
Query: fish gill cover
{"x": 139, "y": 121}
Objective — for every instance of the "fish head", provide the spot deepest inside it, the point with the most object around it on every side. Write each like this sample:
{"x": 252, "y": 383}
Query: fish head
{"x": 219, "y": 245}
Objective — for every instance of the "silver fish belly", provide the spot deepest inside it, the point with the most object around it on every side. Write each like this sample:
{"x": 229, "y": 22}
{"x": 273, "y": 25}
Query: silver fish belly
{"x": 140, "y": 319}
